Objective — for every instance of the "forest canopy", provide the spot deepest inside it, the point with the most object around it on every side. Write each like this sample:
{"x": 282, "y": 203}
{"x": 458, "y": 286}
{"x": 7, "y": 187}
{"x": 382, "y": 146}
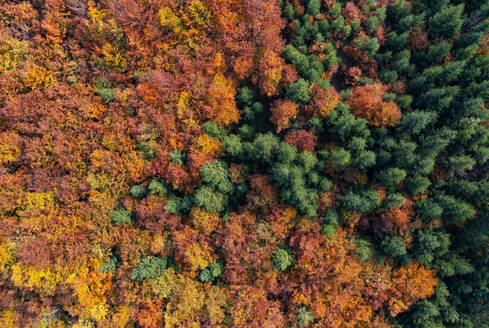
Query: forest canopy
{"x": 244, "y": 163}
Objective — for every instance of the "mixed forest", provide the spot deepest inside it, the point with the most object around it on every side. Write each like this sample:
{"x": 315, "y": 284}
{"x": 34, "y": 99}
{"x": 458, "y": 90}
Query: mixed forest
{"x": 244, "y": 163}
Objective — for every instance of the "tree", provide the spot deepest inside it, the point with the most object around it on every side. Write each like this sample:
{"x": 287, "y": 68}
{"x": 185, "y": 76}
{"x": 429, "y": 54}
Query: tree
{"x": 391, "y": 176}
{"x": 216, "y": 175}
{"x": 156, "y": 187}
{"x": 428, "y": 209}
{"x": 264, "y": 147}
{"x": 417, "y": 184}
{"x": 299, "y": 92}
{"x": 446, "y": 23}
{"x": 139, "y": 191}
{"x": 149, "y": 268}
{"x": 339, "y": 158}
{"x": 393, "y": 200}
{"x": 209, "y": 199}
{"x": 362, "y": 201}
{"x": 233, "y": 146}
{"x": 282, "y": 112}
{"x": 454, "y": 210}
{"x": 122, "y": 216}
{"x": 304, "y": 140}
{"x": 323, "y": 101}
{"x": 313, "y": 7}
{"x": 393, "y": 246}
{"x": 367, "y": 102}
{"x": 282, "y": 259}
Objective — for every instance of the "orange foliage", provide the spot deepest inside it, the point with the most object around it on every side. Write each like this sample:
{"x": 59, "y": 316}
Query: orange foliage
{"x": 221, "y": 99}
{"x": 323, "y": 101}
{"x": 366, "y": 102}
{"x": 206, "y": 222}
{"x": 283, "y": 110}
{"x": 271, "y": 67}
{"x": 409, "y": 285}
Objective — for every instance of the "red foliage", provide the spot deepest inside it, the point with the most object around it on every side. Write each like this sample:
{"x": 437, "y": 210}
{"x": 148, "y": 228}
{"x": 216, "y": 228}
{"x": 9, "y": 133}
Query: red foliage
{"x": 303, "y": 139}
{"x": 283, "y": 110}
{"x": 366, "y": 102}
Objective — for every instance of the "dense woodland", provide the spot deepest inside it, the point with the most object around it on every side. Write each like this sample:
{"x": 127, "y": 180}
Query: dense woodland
{"x": 244, "y": 163}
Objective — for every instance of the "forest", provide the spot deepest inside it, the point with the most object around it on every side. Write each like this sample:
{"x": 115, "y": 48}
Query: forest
{"x": 244, "y": 163}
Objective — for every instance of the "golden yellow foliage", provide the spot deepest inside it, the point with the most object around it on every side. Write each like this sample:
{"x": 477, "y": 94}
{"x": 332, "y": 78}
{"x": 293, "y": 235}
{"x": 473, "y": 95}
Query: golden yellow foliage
{"x": 93, "y": 110}
{"x": 200, "y": 13}
{"x": 45, "y": 281}
{"x": 198, "y": 257}
{"x": 89, "y": 286}
{"x": 7, "y": 320}
{"x": 12, "y": 52}
{"x": 114, "y": 57}
{"x": 204, "y": 221}
{"x": 7, "y": 255}
{"x": 40, "y": 200}
{"x": 165, "y": 285}
{"x": 207, "y": 145}
{"x": 184, "y": 306}
{"x": 169, "y": 20}
{"x": 221, "y": 98}
{"x": 121, "y": 318}
{"x": 216, "y": 304}
{"x": 37, "y": 77}
{"x": 9, "y": 151}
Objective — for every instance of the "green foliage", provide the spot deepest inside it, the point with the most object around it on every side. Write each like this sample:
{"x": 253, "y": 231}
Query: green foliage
{"x": 264, "y": 147}
{"x": 110, "y": 265}
{"x": 122, "y": 216}
{"x": 391, "y": 176}
{"x": 286, "y": 153}
{"x": 211, "y": 272}
{"x": 157, "y": 187}
{"x": 177, "y": 157}
{"x": 460, "y": 164}
{"x": 178, "y": 205}
{"x": 338, "y": 24}
{"x": 428, "y": 209}
{"x": 304, "y": 317}
{"x": 417, "y": 184}
{"x": 393, "y": 200}
{"x": 393, "y": 246}
{"x": 362, "y": 201}
{"x": 233, "y": 146}
{"x": 138, "y": 191}
{"x": 289, "y": 12}
{"x": 216, "y": 175}
{"x": 363, "y": 249}
{"x": 371, "y": 24}
{"x": 209, "y": 199}
{"x": 416, "y": 121}
{"x": 107, "y": 94}
{"x": 330, "y": 216}
{"x": 329, "y": 230}
{"x": 246, "y": 96}
{"x": 214, "y": 130}
{"x": 149, "y": 268}
{"x": 454, "y": 210}
{"x": 282, "y": 259}
{"x": 335, "y": 10}
{"x": 299, "y": 92}
{"x": 431, "y": 245}
{"x": 339, "y": 158}
{"x": 446, "y": 23}
{"x": 313, "y": 7}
